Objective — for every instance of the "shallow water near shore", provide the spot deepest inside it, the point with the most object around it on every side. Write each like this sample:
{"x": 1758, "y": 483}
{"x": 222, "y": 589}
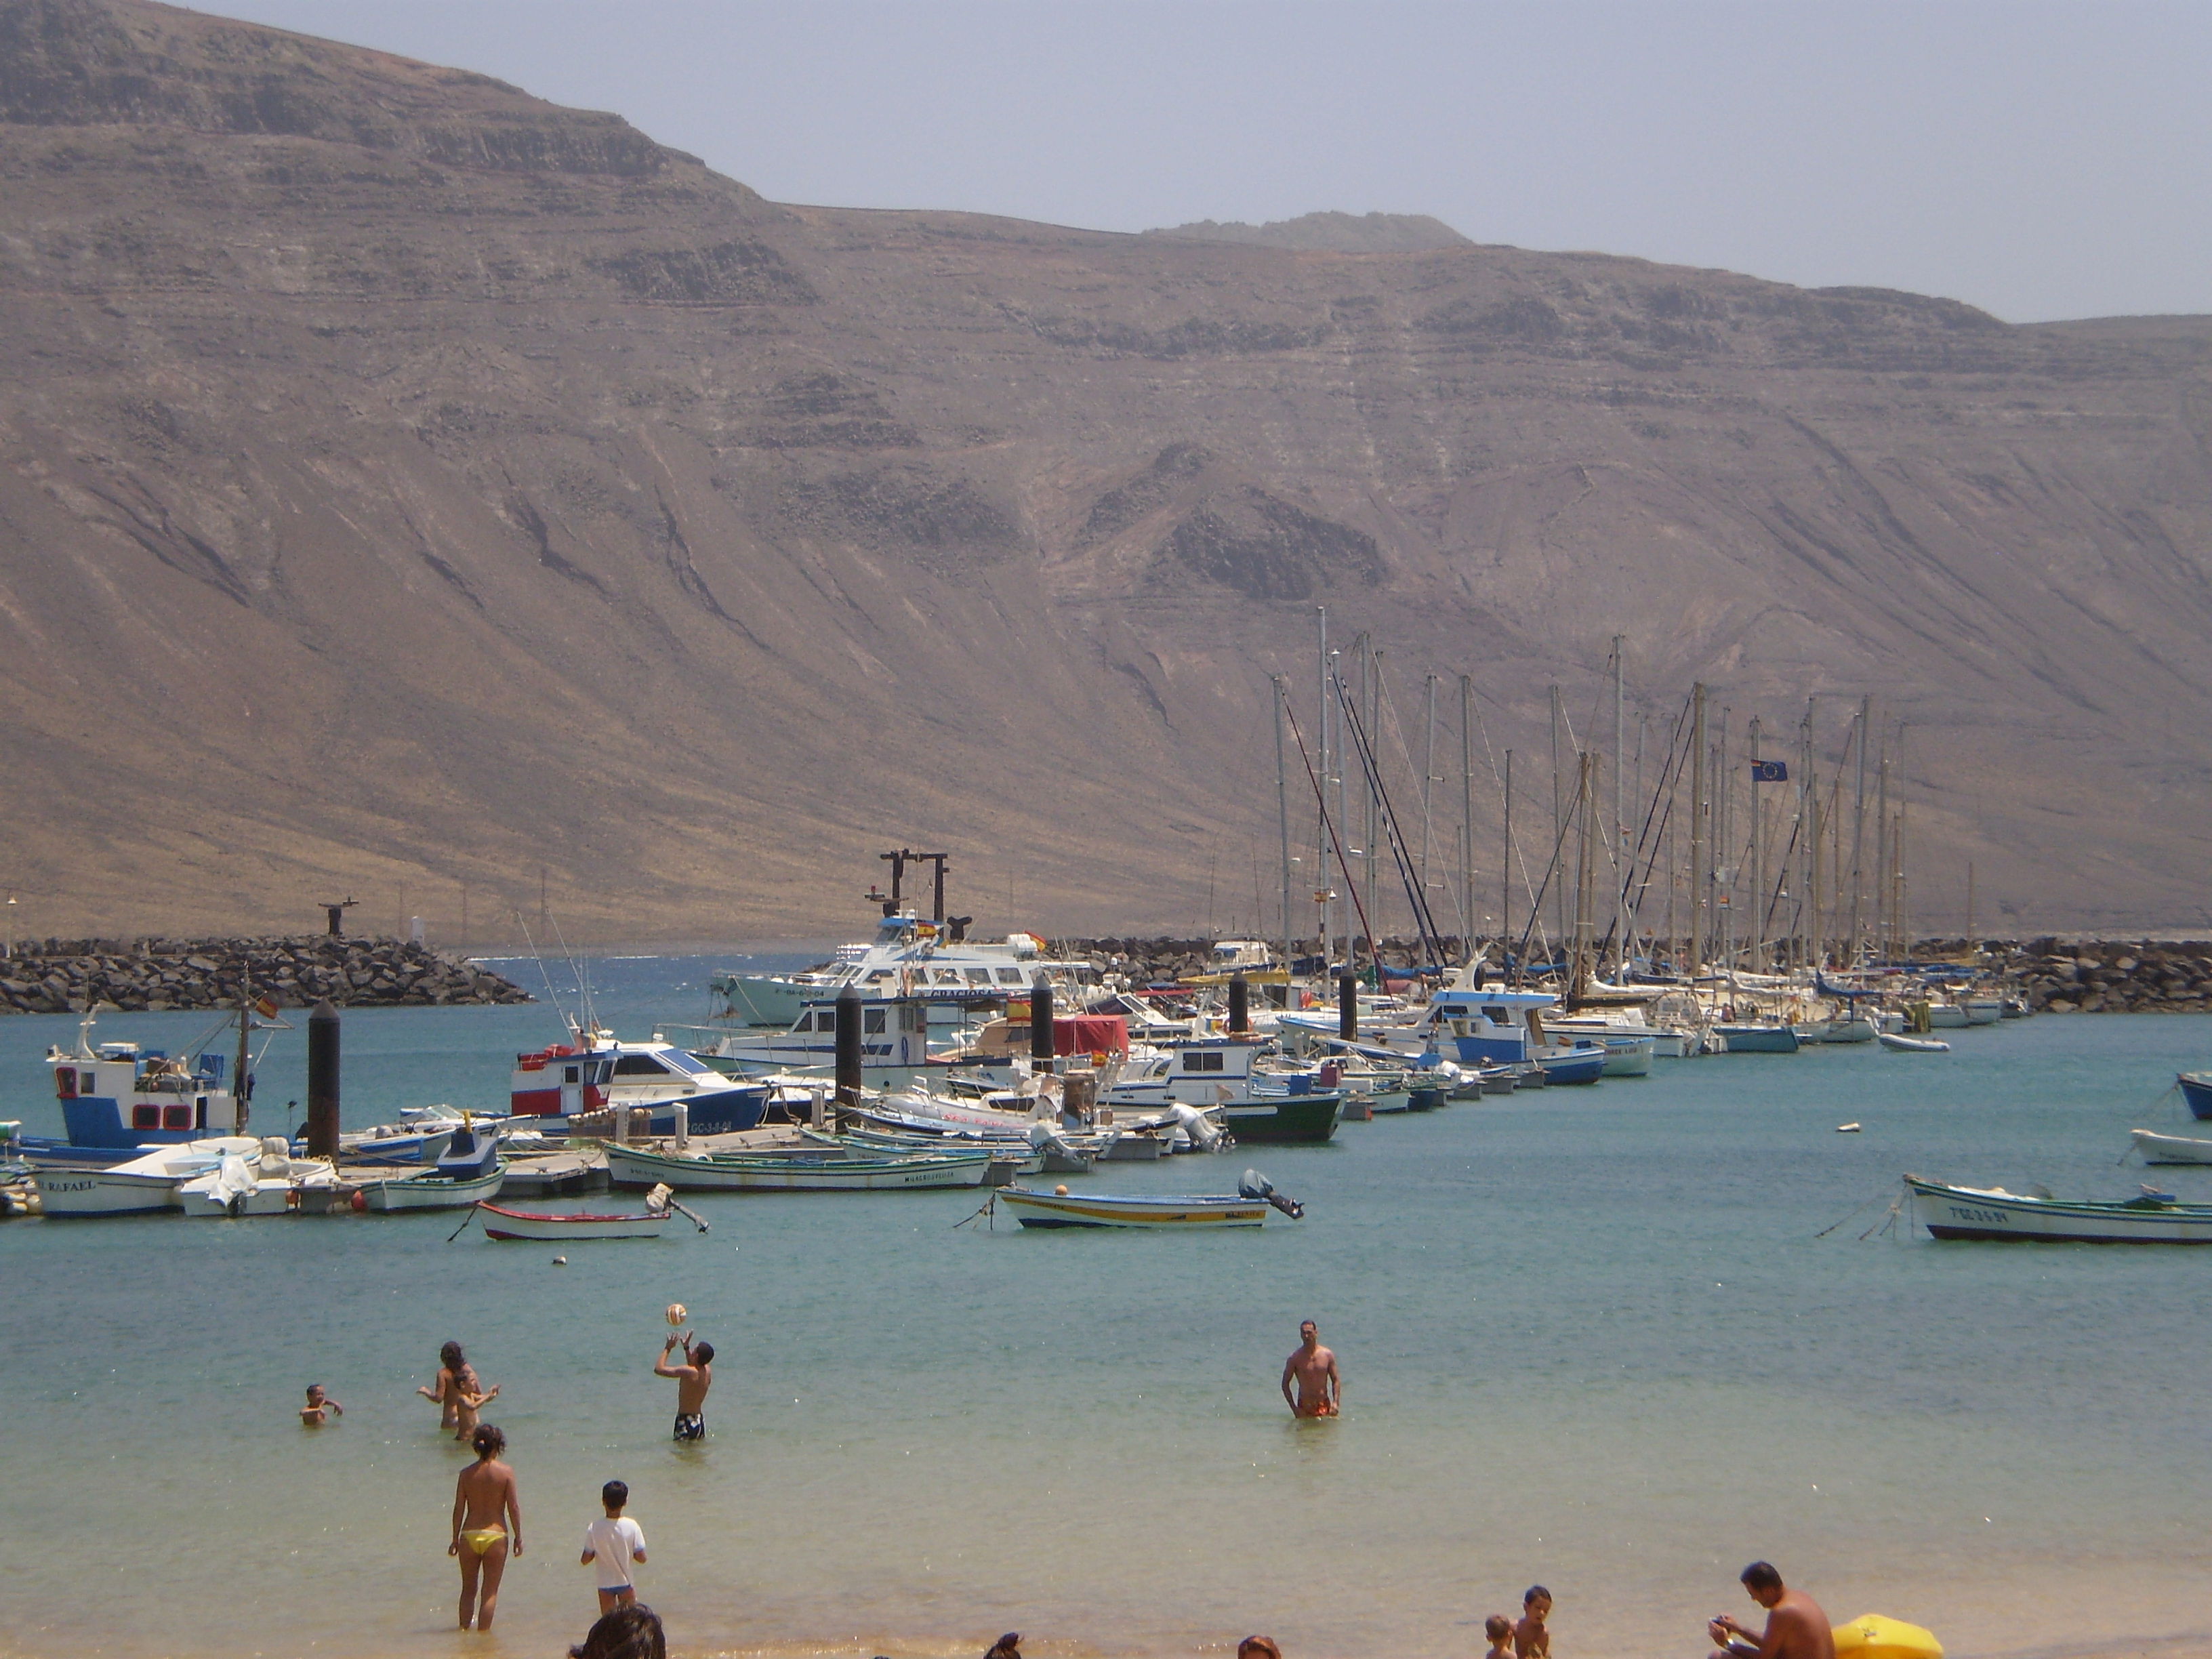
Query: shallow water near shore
{"x": 1589, "y": 1338}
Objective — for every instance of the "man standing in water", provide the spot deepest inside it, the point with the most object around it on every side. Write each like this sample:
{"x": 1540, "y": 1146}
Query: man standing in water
{"x": 1795, "y": 1627}
{"x": 487, "y": 1524}
{"x": 1321, "y": 1390}
{"x": 693, "y": 1378}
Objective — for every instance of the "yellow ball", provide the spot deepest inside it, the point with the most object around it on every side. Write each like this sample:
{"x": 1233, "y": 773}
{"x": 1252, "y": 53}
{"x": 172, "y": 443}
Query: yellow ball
{"x": 677, "y": 1314}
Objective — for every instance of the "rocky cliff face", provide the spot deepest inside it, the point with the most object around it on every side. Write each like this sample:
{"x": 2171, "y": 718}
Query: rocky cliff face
{"x": 407, "y": 483}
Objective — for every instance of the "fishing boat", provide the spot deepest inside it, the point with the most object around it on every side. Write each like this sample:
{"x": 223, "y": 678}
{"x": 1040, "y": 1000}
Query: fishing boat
{"x": 1992, "y": 1212}
{"x": 1220, "y": 1076}
{"x": 2196, "y": 1092}
{"x": 813, "y": 1169}
{"x": 2170, "y": 1149}
{"x": 592, "y": 1072}
{"x": 469, "y": 1172}
{"x": 1758, "y": 1039}
{"x": 510, "y": 1226}
{"x": 1175, "y": 1211}
{"x": 421, "y": 1136}
{"x": 118, "y": 1099}
{"x": 145, "y": 1185}
{"x": 1475, "y": 1025}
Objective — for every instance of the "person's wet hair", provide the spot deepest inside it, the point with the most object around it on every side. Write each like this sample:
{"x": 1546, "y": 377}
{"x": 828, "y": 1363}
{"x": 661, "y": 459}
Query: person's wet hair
{"x": 489, "y": 1442}
{"x": 1497, "y": 1627}
{"x": 615, "y": 1493}
{"x": 1760, "y": 1576}
{"x": 1533, "y": 1592}
{"x": 452, "y": 1357}
{"x": 702, "y": 1353}
{"x": 630, "y": 1632}
{"x": 1263, "y": 1647}
{"x": 1008, "y": 1646}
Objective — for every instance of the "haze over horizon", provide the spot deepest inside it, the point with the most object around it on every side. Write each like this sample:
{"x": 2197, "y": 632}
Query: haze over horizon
{"x": 2037, "y": 161}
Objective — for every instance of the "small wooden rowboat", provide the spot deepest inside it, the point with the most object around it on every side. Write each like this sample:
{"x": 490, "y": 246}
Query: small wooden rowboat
{"x": 1179, "y": 1212}
{"x": 431, "y": 1191}
{"x": 1992, "y": 1212}
{"x": 2170, "y": 1149}
{"x": 820, "y": 1169}
{"x": 1912, "y": 1045}
{"x": 1176, "y": 1212}
{"x": 511, "y": 1225}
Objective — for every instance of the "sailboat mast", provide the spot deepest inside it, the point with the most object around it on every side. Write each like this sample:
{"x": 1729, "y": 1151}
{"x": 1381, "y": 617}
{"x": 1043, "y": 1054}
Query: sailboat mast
{"x": 1883, "y": 852}
{"x": 1505, "y": 886}
{"x": 1757, "y": 921}
{"x": 1583, "y": 805}
{"x": 1283, "y": 814}
{"x": 1320, "y": 745}
{"x": 1858, "y": 823}
{"x": 1558, "y": 826}
{"x": 1698, "y": 829}
{"x": 1467, "y": 808}
{"x": 1723, "y": 849}
{"x": 1428, "y": 769}
{"x": 1617, "y": 839}
{"x": 1970, "y": 907}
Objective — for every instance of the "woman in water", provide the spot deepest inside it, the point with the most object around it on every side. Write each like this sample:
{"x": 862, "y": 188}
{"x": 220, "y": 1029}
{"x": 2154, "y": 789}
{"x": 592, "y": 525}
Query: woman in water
{"x": 487, "y": 1526}
{"x": 458, "y": 1391}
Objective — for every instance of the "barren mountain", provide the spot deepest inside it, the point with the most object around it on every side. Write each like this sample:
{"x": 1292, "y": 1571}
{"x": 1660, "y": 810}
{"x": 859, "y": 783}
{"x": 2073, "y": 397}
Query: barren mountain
{"x": 1329, "y": 233}
{"x": 406, "y": 483}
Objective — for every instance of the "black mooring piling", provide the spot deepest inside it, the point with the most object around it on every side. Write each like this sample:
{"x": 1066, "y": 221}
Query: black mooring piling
{"x": 1240, "y": 1005}
{"x": 849, "y": 1046}
{"x": 1347, "y": 1006}
{"x": 322, "y": 1081}
{"x": 1041, "y": 1043}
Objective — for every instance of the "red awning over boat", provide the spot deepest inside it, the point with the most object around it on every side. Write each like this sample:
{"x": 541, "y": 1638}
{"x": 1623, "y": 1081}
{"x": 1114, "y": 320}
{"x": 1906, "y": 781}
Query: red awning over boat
{"x": 1090, "y": 1034}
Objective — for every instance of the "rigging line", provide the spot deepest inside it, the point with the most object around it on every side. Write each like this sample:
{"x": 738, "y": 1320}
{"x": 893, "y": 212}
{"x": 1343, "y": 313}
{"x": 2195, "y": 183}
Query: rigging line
{"x": 1670, "y": 774}
{"x": 1566, "y": 823}
{"x": 1520, "y": 857}
{"x": 537, "y": 956}
{"x": 1335, "y": 841}
{"x": 1399, "y": 854}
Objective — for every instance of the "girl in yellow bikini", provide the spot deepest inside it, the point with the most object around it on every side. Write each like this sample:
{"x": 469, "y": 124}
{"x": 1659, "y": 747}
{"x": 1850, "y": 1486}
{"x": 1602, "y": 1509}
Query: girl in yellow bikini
{"x": 487, "y": 1526}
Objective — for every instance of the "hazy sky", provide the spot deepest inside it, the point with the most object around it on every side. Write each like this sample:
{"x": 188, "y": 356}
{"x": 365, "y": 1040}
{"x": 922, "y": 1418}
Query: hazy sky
{"x": 2041, "y": 161}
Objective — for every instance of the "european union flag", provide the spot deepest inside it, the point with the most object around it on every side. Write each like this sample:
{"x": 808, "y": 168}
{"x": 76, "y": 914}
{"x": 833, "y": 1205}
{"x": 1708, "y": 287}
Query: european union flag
{"x": 1770, "y": 771}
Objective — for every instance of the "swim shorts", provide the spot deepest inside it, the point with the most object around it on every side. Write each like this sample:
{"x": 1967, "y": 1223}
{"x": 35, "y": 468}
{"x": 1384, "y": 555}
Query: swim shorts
{"x": 690, "y": 1426}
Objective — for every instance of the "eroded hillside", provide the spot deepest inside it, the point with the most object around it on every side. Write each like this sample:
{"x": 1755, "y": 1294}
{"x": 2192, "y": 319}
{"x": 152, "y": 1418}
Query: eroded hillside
{"x": 405, "y": 483}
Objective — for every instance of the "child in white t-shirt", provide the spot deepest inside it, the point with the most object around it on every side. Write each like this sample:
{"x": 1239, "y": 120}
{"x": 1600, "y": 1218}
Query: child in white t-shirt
{"x": 613, "y": 1542}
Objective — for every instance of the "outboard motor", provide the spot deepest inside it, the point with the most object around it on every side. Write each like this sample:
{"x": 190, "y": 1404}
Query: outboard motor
{"x": 1204, "y": 1135}
{"x": 1256, "y": 1185}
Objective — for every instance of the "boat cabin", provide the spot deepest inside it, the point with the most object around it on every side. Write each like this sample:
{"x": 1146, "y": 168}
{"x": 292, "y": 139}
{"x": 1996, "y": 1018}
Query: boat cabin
{"x": 1487, "y": 1025}
{"x": 117, "y": 1095}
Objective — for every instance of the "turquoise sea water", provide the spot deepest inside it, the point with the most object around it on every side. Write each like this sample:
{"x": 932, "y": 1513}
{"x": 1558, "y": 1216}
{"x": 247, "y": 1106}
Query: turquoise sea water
{"x": 1590, "y": 1337}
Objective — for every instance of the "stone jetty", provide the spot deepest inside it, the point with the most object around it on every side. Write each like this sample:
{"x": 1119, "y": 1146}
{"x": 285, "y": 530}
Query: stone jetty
{"x": 58, "y": 975}
{"x": 2058, "y": 977}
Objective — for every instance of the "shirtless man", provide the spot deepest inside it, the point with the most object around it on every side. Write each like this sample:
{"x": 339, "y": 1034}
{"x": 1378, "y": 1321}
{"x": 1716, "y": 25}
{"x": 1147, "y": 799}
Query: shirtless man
{"x": 1321, "y": 1390}
{"x": 693, "y": 1378}
{"x": 1795, "y": 1627}
{"x": 487, "y": 1525}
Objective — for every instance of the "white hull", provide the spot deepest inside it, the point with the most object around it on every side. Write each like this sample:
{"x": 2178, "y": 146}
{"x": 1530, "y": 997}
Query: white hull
{"x": 431, "y": 1192}
{"x": 1629, "y": 1056}
{"x": 628, "y": 1167}
{"x": 103, "y": 1192}
{"x": 267, "y": 1198}
{"x": 1857, "y": 1029}
{"x": 2170, "y": 1149}
{"x": 1908, "y": 1045}
{"x": 1948, "y": 1017}
{"x": 1968, "y": 1212}
{"x": 146, "y": 1185}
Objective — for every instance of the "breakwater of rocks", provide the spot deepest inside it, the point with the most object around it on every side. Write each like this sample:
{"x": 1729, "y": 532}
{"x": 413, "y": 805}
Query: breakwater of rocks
{"x": 2058, "y": 977}
{"x": 56, "y": 975}
{"x": 2104, "y": 976}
